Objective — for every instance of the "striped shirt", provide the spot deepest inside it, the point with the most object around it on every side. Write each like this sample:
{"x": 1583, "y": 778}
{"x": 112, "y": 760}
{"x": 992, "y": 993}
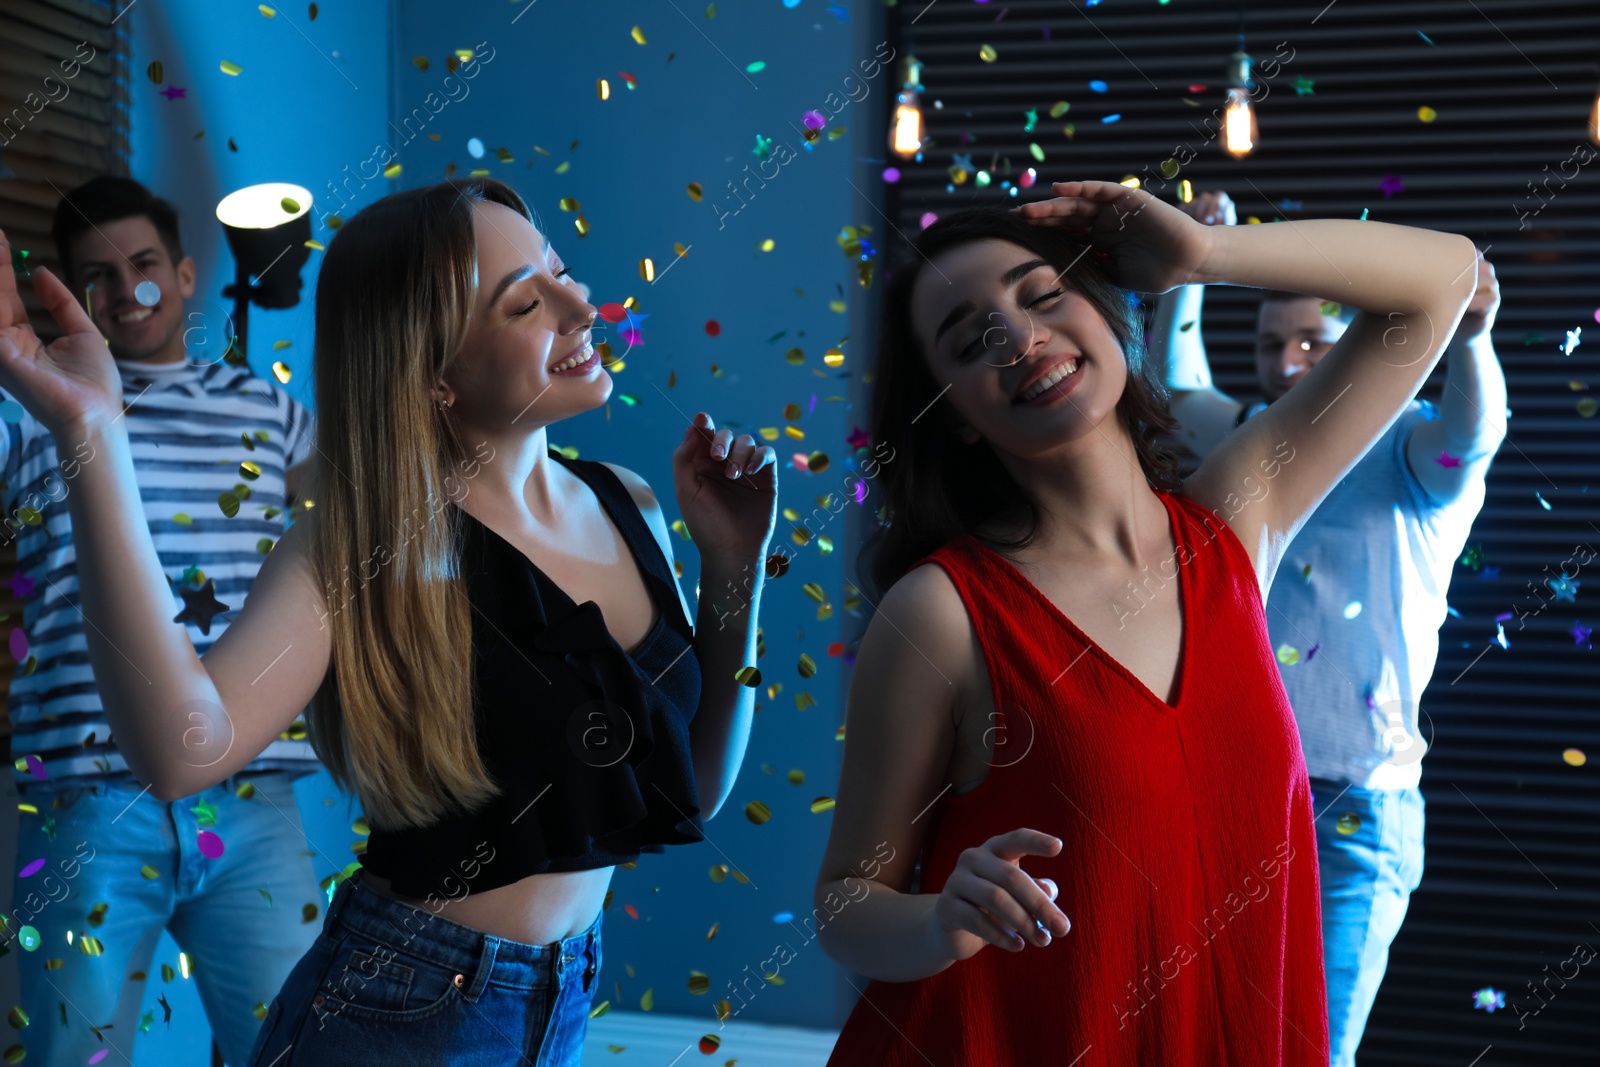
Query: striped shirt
{"x": 188, "y": 426}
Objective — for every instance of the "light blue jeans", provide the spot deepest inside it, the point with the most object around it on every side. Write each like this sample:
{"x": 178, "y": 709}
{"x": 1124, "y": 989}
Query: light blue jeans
{"x": 101, "y": 837}
{"x": 1367, "y": 875}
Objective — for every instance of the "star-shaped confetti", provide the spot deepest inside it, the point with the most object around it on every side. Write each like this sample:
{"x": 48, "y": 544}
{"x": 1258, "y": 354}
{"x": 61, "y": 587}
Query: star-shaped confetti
{"x": 172, "y": 92}
{"x": 962, "y": 161}
{"x": 634, "y": 318}
{"x": 1390, "y": 185}
{"x": 21, "y": 585}
{"x": 858, "y": 438}
{"x": 1580, "y": 634}
{"x": 1447, "y": 460}
{"x": 1572, "y": 340}
{"x": 839, "y": 11}
{"x": 200, "y": 606}
{"x": 1302, "y": 86}
{"x": 1500, "y": 636}
{"x": 166, "y": 1010}
{"x": 1564, "y": 588}
{"x": 1290, "y": 205}
{"x": 146, "y": 1021}
{"x": 763, "y": 148}
{"x": 1488, "y": 998}
{"x": 205, "y": 814}
{"x": 1489, "y": 572}
{"x": 1472, "y": 558}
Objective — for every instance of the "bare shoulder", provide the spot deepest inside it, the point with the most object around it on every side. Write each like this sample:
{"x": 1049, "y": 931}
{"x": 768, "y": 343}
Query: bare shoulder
{"x": 923, "y": 627}
{"x": 645, "y": 498}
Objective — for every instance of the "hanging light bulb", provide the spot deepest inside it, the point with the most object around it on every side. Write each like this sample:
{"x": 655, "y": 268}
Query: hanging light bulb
{"x": 905, "y": 133}
{"x": 1594, "y": 120}
{"x": 1239, "y": 114}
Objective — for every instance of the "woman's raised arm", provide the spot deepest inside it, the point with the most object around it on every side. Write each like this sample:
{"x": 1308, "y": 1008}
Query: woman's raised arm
{"x": 181, "y": 724}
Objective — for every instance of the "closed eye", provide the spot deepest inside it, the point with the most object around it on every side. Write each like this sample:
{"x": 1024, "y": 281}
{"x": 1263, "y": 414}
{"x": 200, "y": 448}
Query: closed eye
{"x": 563, "y": 272}
{"x": 971, "y": 350}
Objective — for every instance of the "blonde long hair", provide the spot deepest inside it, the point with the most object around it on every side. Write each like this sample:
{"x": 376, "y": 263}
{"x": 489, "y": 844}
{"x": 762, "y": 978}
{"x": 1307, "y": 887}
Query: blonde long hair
{"x": 393, "y": 719}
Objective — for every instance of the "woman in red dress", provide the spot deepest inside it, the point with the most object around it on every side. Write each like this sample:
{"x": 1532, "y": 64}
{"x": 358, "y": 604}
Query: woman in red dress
{"x": 1074, "y": 724}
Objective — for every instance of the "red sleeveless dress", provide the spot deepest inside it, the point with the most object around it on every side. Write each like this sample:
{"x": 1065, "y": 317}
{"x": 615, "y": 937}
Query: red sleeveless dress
{"x": 1190, "y": 862}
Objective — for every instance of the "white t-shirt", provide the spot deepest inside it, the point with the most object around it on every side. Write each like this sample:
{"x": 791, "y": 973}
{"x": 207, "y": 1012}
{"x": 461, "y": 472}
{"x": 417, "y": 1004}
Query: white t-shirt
{"x": 1381, "y": 553}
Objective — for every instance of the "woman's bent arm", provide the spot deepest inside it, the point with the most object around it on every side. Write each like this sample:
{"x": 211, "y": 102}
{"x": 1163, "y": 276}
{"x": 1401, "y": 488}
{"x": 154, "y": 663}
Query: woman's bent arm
{"x": 183, "y": 723}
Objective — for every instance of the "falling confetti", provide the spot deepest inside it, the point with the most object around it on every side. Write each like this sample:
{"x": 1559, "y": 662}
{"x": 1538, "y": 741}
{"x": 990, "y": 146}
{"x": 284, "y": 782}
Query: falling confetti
{"x": 210, "y": 845}
{"x": 1564, "y": 588}
{"x": 1348, "y": 823}
{"x": 1573, "y": 757}
{"x": 1288, "y": 655}
{"x": 1427, "y": 114}
{"x": 1352, "y": 609}
{"x": 1580, "y": 634}
{"x": 1488, "y": 998}
{"x": 147, "y": 293}
{"x": 1572, "y": 340}
{"x": 1445, "y": 459}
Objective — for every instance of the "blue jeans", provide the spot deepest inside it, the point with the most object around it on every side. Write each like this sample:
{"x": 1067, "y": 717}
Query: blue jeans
{"x": 392, "y": 985}
{"x": 94, "y": 840}
{"x": 1368, "y": 875}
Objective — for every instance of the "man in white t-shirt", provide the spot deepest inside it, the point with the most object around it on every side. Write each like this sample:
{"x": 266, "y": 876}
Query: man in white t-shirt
{"x": 1355, "y": 612}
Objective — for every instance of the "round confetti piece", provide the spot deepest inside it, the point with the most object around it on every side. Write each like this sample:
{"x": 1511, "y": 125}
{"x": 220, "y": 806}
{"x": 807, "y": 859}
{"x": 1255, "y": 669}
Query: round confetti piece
{"x": 19, "y": 644}
{"x": 814, "y": 120}
{"x": 890, "y": 175}
{"x": 28, "y": 938}
{"x": 1098, "y": 86}
{"x": 1288, "y": 655}
{"x": 699, "y": 983}
{"x": 1352, "y": 609}
{"x": 822, "y": 804}
{"x": 757, "y": 812}
{"x": 719, "y": 872}
{"x": 987, "y": 53}
{"x": 474, "y": 148}
{"x": 783, "y": 917}
{"x": 1588, "y": 406}
{"x": 713, "y": 328}
{"x": 710, "y": 1043}
{"x": 11, "y": 411}
{"x": 148, "y": 293}
{"x": 308, "y": 913}
{"x": 695, "y": 192}
{"x": 210, "y": 845}
{"x": 1348, "y": 823}
{"x": 17, "y": 1018}
{"x": 16, "y": 1053}
{"x": 797, "y": 777}
{"x": 32, "y": 868}
{"x": 613, "y": 313}
{"x": 1574, "y": 757}
{"x": 1427, "y": 114}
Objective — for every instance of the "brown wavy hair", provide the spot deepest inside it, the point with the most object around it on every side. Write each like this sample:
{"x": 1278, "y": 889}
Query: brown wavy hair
{"x": 940, "y": 488}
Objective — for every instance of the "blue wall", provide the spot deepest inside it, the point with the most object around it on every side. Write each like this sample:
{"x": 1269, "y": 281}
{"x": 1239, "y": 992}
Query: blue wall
{"x": 322, "y": 103}
{"x": 695, "y": 118}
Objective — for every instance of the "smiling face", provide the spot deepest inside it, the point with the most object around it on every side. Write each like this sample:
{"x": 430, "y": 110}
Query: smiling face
{"x": 995, "y": 321}
{"x": 1292, "y": 336}
{"x": 114, "y": 257}
{"x": 530, "y": 325}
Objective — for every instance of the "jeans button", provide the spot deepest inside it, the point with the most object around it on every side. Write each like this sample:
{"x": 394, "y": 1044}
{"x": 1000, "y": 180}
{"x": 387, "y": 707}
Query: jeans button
{"x": 461, "y": 980}
{"x": 316, "y": 1001}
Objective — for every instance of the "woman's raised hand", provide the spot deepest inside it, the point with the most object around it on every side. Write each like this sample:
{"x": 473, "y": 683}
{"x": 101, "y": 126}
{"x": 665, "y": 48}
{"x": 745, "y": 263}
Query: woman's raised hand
{"x": 988, "y": 898}
{"x": 727, "y": 489}
{"x": 73, "y": 382}
{"x": 1150, "y": 246}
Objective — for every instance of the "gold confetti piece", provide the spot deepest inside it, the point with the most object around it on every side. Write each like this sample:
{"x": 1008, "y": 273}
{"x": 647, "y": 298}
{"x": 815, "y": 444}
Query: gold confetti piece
{"x": 679, "y": 250}
{"x": 185, "y": 964}
{"x": 1587, "y": 407}
{"x": 1059, "y": 108}
{"x": 740, "y": 877}
{"x": 713, "y": 931}
{"x": 815, "y": 592}
{"x": 807, "y": 666}
{"x": 797, "y": 777}
{"x": 229, "y": 503}
{"x": 821, "y": 804}
{"x": 581, "y": 224}
{"x": 1574, "y": 757}
{"x": 648, "y": 1001}
{"x": 791, "y": 411}
{"x": 748, "y": 676}
{"x": 604, "y": 89}
{"x": 638, "y": 35}
{"x": 599, "y": 1009}
{"x": 281, "y": 371}
{"x": 839, "y": 734}
{"x": 308, "y": 913}
{"x": 54, "y": 964}
{"x": 817, "y": 462}
{"x": 361, "y": 826}
{"x": 231, "y": 68}
{"x": 1427, "y": 114}
{"x": 802, "y": 701}
{"x": 182, "y": 519}
{"x": 313, "y": 13}
{"x": 246, "y": 790}
{"x": 167, "y": 973}
{"x": 250, "y": 470}
{"x": 568, "y": 204}
{"x": 757, "y": 812}
{"x": 647, "y": 270}
{"x": 719, "y": 872}
{"x": 420, "y": 62}
{"x": 17, "y": 1018}
{"x": 29, "y": 808}
{"x": 335, "y": 221}
{"x": 260, "y": 1010}
{"x": 90, "y": 946}
{"x": 149, "y": 872}
{"x": 97, "y": 914}
{"x": 1349, "y": 823}
{"x": 1186, "y": 191}
{"x": 834, "y": 357}
{"x": 695, "y": 192}
{"x": 15, "y": 1053}
{"x": 699, "y": 983}
{"x": 795, "y": 356}
{"x": 30, "y": 516}
{"x": 393, "y": 171}
{"x": 155, "y": 71}
{"x": 768, "y": 245}
{"x": 1288, "y": 655}
{"x": 711, "y": 11}
{"x": 795, "y": 432}
{"x": 724, "y": 1009}
{"x": 987, "y": 53}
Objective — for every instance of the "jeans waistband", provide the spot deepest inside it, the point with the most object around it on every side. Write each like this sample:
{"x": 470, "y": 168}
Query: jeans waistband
{"x": 478, "y": 957}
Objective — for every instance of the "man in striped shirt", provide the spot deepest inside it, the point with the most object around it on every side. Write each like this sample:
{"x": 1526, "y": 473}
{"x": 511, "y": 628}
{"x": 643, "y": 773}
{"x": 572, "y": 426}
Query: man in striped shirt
{"x": 102, "y": 867}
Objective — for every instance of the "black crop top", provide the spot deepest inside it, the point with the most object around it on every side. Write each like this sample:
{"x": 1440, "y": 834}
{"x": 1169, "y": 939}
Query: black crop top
{"x": 589, "y": 743}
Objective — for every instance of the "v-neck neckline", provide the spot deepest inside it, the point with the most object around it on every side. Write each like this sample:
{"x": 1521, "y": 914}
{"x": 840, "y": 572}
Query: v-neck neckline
{"x": 1185, "y": 597}
{"x": 572, "y": 605}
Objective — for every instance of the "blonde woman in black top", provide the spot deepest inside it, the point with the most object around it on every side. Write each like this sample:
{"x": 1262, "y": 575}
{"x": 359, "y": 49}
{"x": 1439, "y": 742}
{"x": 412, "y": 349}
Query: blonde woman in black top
{"x": 505, "y": 678}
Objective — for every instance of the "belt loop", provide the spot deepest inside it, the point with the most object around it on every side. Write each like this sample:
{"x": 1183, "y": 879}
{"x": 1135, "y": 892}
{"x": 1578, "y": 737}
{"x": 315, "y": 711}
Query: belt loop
{"x": 588, "y": 955}
{"x": 474, "y": 986}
